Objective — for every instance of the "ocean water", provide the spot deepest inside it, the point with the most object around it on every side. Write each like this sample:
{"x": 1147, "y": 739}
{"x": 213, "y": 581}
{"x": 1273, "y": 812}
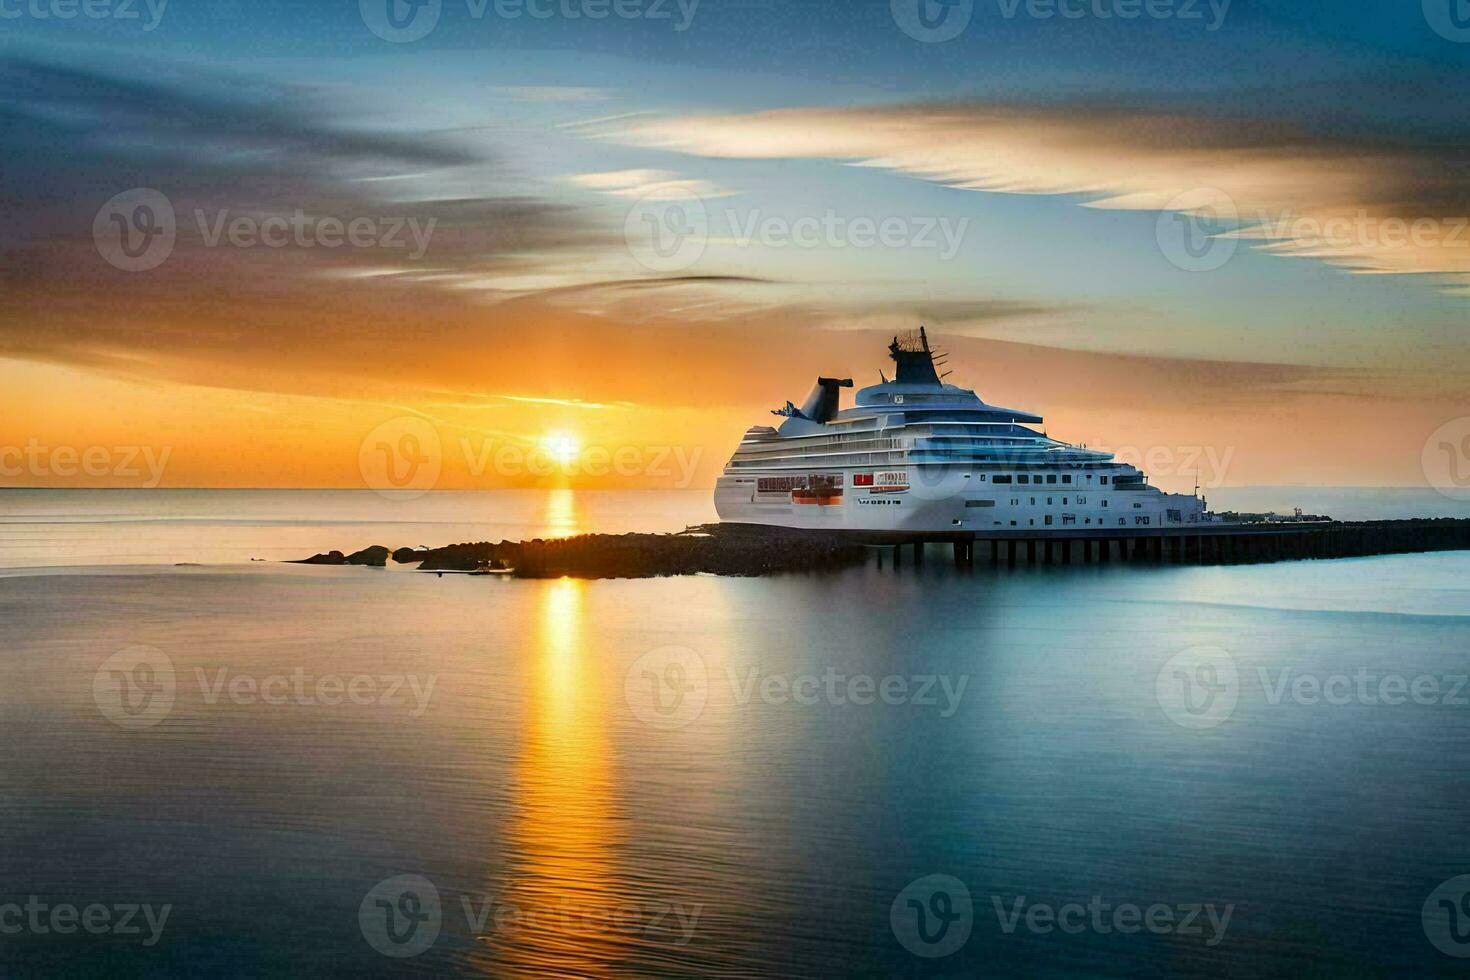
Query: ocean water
{"x": 1252, "y": 770}
{"x": 85, "y": 528}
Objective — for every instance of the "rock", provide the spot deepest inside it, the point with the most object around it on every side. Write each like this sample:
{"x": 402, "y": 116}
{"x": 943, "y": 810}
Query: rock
{"x": 377, "y": 555}
{"x": 330, "y": 558}
{"x": 403, "y": 556}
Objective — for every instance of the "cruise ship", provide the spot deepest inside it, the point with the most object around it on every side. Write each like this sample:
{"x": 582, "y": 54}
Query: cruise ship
{"x": 917, "y": 455}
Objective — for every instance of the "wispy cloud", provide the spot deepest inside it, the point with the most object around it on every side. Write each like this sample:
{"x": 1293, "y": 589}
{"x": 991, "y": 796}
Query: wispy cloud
{"x": 1369, "y": 205}
{"x": 652, "y": 184}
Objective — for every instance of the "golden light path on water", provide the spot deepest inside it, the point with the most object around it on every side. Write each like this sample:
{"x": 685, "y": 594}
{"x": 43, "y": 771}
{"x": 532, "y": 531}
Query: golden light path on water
{"x": 562, "y": 831}
{"x": 560, "y": 515}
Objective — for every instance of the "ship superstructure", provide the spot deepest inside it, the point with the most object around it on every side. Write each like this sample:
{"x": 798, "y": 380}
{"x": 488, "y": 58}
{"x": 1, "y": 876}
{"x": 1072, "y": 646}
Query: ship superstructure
{"x": 918, "y": 455}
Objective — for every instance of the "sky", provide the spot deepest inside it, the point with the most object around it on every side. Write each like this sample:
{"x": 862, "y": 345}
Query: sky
{"x": 590, "y": 242}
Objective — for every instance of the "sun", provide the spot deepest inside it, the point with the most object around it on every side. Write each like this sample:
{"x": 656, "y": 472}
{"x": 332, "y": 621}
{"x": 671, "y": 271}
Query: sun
{"x": 562, "y": 447}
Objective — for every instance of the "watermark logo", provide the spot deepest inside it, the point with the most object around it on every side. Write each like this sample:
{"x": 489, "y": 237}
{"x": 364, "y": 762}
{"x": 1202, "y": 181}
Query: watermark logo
{"x": 667, "y": 688}
{"x": 1446, "y": 917}
{"x": 121, "y": 10}
{"x": 932, "y": 21}
{"x": 40, "y": 918}
{"x": 134, "y": 688}
{"x": 1446, "y": 458}
{"x": 401, "y": 458}
{"x": 932, "y": 916}
{"x": 1209, "y": 465}
{"x": 667, "y": 230}
{"x": 119, "y": 463}
{"x": 836, "y": 688}
{"x": 301, "y": 230}
{"x": 410, "y": 691}
{"x": 837, "y": 231}
{"x": 1198, "y": 688}
{"x": 562, "y": 456}
{"x": 1450, "y": 19}
{"x": 400, "y": 21}
{"x": 135, "y": 230}
{"x": 401, "y": 916}
{"x": 1180, "y": 10}
{"x": 1103, "y": 917}
{"x": 405, "y": 21}
{"x": 1363, "y": 688}
{"x": 1190, "y": 230}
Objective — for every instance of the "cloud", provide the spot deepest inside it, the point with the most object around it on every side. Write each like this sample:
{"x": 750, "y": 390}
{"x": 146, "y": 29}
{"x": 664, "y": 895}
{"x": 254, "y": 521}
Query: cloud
{"x": 660, "y": 185}
{"x": 1366, "y": 204}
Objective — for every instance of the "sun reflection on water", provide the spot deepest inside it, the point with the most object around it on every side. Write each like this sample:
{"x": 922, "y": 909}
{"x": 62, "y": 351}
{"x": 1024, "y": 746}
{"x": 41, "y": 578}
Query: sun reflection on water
{"x": 563, "y": 834}
{"x": 560, "y": 515}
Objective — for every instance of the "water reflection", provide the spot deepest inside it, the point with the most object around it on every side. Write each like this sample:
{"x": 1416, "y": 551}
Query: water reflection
{"x": 562, "y": 888}
{"x": 560, "y": 515}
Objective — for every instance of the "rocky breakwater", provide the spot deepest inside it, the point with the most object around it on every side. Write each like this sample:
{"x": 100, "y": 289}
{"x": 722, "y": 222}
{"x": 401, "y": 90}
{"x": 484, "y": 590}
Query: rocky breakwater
{"x": 712, "y": 549}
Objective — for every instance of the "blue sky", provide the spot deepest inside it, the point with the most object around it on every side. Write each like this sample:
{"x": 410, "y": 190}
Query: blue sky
{"x": 1055, "y": 150}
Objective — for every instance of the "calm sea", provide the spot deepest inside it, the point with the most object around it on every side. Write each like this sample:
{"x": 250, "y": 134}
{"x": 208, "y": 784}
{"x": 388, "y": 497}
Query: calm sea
{"x": 254, "y": 769}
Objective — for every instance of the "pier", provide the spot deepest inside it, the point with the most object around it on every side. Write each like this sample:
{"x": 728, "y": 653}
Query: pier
{"x": 1199, "y": 544}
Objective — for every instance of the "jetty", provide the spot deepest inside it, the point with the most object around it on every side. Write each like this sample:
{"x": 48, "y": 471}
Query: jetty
{"x": 743, "y": 549}
{"x": 1213, "y": 543}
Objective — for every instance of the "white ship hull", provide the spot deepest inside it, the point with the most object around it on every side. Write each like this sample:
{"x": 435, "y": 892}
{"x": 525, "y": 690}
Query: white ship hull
{"x": 954, "y": 504}
{"x": 918, "y": 456}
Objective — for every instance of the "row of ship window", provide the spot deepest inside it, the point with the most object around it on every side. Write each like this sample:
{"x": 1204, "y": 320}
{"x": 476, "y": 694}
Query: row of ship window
{"x": 1016, "y": 502}
{"x": 1072, "y": 519}
{"x": 1039, "y": 478}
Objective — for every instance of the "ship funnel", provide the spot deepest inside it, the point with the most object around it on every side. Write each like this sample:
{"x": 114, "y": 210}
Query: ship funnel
{"x": 821, "y": 404}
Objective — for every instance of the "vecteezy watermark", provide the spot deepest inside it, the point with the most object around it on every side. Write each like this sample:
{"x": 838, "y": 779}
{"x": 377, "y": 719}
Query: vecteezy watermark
{"x": 38, "y": 918}
{"x": 932, "y": 916}
{"x": 836, "y": 231}
{"x": 301, "y": 230}
{"x": 1190, "y": 920}
{"x": 932, "y": 21}
{"x": 667, "y": 230}
{"x": 1363, "y": 687}
{"x": 837, "y": 688}
{"x": 1446, "y": 458}
{"x": 1198, "y": 688}
{"x": 1209, "y": 465}
{"x": 118, "y": 463}
{"x": 137, "y": 230}
{"x": 401, "y": 458}
{"x": 1450, "y": 19}
{"x": 667, "y": 688}
{"x": 1201, "y": 229}
{"x": 405, "y": 21}
{"x": 1211, "y": 13}
{"x": 120, "y": 10}
{"x": 935, "y": 21}
{"x": 562, "y": 457}
{"x": 1361, "y": 230}
{"x": 134, "y": 688}
{"x": 402, "y": 916}
{"x": 309, "y": 690}
{"x": 1193, "y": 230}
{"x": 1446, "y": 917}
{"x": 137, "y": 687}
{"x": 1201, "y": 687}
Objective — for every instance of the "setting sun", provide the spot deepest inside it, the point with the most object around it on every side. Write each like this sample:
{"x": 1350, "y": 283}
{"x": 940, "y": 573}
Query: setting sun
{"x": 562, "y": 447}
